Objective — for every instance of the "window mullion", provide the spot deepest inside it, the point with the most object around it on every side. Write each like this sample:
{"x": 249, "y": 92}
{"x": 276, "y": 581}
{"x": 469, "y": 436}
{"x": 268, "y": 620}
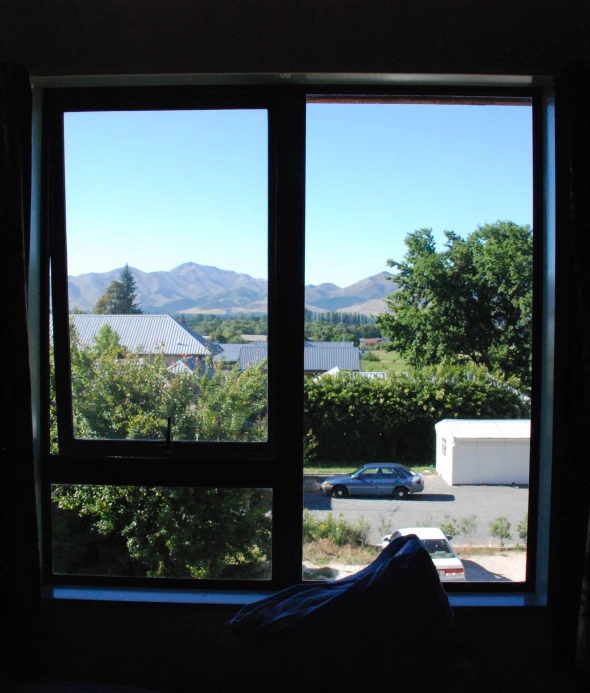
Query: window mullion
{"x": 286, "y": 325}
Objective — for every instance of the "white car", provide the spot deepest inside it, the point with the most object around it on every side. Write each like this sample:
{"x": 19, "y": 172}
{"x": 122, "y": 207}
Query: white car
{"x": 446, "y": 561}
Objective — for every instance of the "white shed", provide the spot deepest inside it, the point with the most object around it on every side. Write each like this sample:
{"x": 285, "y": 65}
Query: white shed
{"x": 481, "y": 451}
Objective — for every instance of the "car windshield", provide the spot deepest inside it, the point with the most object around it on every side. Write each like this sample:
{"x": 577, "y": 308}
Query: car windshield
{"x": 438, "y": 548}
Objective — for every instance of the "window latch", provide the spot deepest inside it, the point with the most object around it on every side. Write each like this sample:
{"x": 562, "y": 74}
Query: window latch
{"x": 168, "y": 443}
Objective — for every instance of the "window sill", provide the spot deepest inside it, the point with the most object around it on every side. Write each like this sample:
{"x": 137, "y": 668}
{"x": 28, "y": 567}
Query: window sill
{"x": 240, "y": 598}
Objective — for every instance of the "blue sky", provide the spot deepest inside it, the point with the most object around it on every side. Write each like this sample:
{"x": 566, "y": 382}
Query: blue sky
{"x": 156, "y": 189}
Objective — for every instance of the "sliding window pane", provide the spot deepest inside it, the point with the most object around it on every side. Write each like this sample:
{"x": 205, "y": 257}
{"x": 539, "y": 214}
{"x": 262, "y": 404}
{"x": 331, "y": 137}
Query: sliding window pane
{"x": 167, "y": 249}
{"x": 418, "y": 334}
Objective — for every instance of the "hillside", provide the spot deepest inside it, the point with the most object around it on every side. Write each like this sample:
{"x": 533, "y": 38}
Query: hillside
{"x": 193, "y": 288}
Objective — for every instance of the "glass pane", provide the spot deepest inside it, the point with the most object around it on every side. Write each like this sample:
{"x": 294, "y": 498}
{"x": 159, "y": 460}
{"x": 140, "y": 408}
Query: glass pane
{"x": 167, "y": 241}
{"x": 135, "y": 531}
{"x": 425, "y": 359}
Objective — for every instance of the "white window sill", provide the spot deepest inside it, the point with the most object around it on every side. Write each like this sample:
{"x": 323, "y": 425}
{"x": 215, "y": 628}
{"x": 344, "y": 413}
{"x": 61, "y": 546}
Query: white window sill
{"x": 240, "y": 598}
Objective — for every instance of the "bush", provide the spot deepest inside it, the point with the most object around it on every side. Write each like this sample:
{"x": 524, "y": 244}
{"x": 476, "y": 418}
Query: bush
{"x": 467, "y": 526}
{"x": 523, "y": 527}
{"x": 370, "y": 356}
{"x": 355, "y": 418}
{"x": 339, "y": 531}
{"x": 500, "y": 529}
{"x": 448, "y": 526}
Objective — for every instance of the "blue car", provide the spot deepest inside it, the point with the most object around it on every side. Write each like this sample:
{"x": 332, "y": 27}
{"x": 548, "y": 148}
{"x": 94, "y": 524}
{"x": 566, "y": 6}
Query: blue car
{"x": 376, "y": 479}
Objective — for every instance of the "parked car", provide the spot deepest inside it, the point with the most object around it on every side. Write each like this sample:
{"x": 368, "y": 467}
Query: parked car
{"x": 448, "y": 564}
{"x": 376, "y": 479}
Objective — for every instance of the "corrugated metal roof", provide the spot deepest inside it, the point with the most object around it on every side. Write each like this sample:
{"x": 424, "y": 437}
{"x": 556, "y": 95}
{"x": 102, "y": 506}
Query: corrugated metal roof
{"x": 330, "y": 345}
{"x": 145, "y": 333}
{"x": 230, "y": 353}
{"x": 314, "y": 359}
{"x": 251, "y": 356}
{"x": 500, "y": 429}
{"x": 190, "y": 365}
{"x": 328, "y": 357}
{"x": 179, "y": 367}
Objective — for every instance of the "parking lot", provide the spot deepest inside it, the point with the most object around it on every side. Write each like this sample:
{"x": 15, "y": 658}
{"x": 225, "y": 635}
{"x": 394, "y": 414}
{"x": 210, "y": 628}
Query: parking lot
{"x": 430, "y": 507}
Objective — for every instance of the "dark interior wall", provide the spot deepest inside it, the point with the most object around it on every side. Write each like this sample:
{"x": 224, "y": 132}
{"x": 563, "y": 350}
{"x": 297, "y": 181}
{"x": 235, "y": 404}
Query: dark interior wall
{"x": 179, "y": 36}
{"x": 187, "y": 648}
{"x": 136, "y": 644}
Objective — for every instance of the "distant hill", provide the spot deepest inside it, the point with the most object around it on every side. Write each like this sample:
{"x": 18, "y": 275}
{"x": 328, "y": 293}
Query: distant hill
{"x": 193, "y": 288}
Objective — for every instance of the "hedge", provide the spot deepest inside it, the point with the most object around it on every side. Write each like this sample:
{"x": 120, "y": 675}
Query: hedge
{"x": 352, "y": 418}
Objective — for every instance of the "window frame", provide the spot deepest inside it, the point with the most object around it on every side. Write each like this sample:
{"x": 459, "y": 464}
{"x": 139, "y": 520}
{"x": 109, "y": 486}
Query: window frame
{"x": 276, "y": 464}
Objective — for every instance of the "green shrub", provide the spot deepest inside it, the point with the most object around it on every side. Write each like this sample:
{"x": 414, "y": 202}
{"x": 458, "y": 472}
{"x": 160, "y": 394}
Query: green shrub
{"x": 370, "y": 356}
{"x": 448, "y": 526}
{"x": 339, "y": 531}
{"x": 356, "y": 418}
{"x": 467, "y": 526}
{"x": 500, "y": 529}
{"x": 523, "y": 527}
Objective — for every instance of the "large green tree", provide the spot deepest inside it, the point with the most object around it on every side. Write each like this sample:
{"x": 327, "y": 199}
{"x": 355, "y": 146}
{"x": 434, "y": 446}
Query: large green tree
{"x": 148, "y": 531}
{"x": 469, "y": 302}
{"x": 120, "y": 298}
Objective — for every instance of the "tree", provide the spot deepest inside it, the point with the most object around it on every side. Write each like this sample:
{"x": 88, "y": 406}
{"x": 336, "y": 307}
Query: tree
{"x": 150, "y": 531}
{"x": 500, "y": 529}
{"x": 120, "y": 296}
{"x": 471, "y": 302}
{"x": 112, "y": 301}
{"x": 131, "y": 307}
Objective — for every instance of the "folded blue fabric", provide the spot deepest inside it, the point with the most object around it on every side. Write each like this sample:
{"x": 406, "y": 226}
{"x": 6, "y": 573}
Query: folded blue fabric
{"x": 395, "y": 607}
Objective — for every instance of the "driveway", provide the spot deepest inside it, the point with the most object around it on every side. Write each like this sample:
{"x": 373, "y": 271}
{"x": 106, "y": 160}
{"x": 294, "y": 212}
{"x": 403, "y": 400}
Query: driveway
{"x": 429, "y": 509}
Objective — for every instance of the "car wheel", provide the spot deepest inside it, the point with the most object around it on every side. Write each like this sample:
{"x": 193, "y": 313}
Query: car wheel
{"x": 340, "y": 492}
{"x": 400, "y": 493}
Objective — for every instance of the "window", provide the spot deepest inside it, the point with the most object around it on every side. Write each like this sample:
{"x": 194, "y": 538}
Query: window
{"x": 443, "y": 187}
{"x": 172, "y": 424}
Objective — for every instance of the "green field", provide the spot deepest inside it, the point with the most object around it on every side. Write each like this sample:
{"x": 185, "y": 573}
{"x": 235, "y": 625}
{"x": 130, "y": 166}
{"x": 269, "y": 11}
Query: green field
{"x": 388, "y": 361}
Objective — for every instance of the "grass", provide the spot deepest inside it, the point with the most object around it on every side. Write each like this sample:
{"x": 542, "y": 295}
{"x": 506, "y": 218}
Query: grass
{"x": 333, "y": 468}
{"x": 388, "y": 361}
{"x": 325, "y": 551}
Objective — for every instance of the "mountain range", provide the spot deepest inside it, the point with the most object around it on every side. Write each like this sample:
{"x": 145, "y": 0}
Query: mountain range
{"x": 193, "y": 288}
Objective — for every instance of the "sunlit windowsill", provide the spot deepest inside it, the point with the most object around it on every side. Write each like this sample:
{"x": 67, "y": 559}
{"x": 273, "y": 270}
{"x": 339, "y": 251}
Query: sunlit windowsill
{"x": 240, "y": 598}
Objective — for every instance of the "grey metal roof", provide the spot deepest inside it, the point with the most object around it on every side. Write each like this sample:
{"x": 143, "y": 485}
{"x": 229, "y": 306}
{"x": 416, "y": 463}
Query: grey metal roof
{"x": 331, "y": 345}
{"x": 230, "y": 353}
{"x": 314, "y": 359}
{"x": 145, "y": 333}
{"x": 179, "y": 367}
{"x": 190, "y": 365}
{"x": 328, "y": 357}
{"x": 251, "y": 356}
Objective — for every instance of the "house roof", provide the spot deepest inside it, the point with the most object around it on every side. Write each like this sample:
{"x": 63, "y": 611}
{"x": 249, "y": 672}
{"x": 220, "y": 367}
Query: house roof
{"x": 371, "y": 375}
{"x": 254, "y": 337}
{"x": 182, "y": 366}
{"x": 229, "y": 353}
{"x": 322, "y": 359}
{"x": 146, "y": 333}
{"x": 499, "y": 429}
{"x": 330, "y": 345}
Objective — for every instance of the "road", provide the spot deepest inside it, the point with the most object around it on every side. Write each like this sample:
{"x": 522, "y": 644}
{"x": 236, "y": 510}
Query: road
{"x": 430, "y": 507}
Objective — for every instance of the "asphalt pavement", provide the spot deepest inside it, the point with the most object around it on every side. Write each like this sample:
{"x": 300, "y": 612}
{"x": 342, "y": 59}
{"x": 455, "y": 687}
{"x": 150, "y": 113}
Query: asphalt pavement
{"x": 429, "y": 509}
